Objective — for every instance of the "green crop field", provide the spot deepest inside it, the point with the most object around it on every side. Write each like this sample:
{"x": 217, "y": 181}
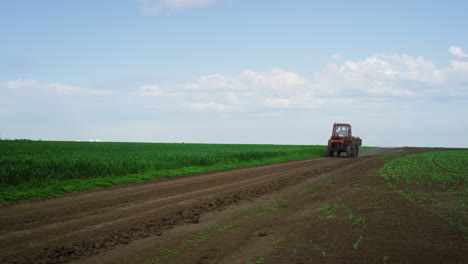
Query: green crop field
{"x": 31, "y": 169}
{"x": 437, "y": 181}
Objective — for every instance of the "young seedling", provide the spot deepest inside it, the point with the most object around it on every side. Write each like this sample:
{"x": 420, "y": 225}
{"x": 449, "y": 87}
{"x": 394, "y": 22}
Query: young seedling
{"x": 356, "y": 245}
{"x": 356, "y": 220}
{"x": 385, "y": 259}
{"x": 277, "y": 241}
{"x": 260, "y": 260}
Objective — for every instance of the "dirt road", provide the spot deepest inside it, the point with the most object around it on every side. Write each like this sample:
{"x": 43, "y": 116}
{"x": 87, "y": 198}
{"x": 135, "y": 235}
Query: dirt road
{"x": 126, "y": 223}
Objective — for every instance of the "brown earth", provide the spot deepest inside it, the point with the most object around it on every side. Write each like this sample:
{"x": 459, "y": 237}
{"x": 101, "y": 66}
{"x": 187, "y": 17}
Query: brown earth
{"x": 263, "y": 214}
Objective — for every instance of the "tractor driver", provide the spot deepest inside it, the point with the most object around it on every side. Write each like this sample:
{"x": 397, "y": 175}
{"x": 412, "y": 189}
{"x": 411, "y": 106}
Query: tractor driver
{"x": 342, "y": 131}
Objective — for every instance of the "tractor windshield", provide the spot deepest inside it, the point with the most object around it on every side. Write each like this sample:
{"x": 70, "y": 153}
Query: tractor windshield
{"x": 341, "y": 131}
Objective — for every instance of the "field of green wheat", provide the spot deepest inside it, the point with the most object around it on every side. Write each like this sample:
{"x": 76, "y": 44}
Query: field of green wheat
{"x": 31, "y": 169}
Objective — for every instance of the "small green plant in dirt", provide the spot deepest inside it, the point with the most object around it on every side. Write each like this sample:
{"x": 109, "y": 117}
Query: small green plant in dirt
{"x": 316, "y": 247}
{"x": 260, "y": 260}
{"x": 356, "y": 220}
{"x": 326, "y": 208}
{"x": 295, "y": 250}
{"x": 324, "y": 183}
{"x": 192, "y": 240}
{"x": 342, "y": 211}
{"x": 330, "y": 217}
{"x": 196, "y": 237}
{"x": 223, "y": 227}
{"x": 270, "y": 208}
{"x": 333, "y": 211}
{"x": 278, "y": 241}
{"x": 165, "y": 254}
{"x": 360, "y": 186}
{"x": 259, "y": 212}
{"x": 385, "y": 259}
{"x": 356, "y": 245}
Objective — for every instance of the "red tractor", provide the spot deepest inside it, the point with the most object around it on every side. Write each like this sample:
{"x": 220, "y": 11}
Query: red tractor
{"x": 342, "y": 140}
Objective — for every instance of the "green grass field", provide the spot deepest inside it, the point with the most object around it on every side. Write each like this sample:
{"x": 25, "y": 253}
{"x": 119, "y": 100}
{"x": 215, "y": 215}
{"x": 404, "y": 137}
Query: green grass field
{"x": 437, "y": 181}
{"x": 31, "y": 169}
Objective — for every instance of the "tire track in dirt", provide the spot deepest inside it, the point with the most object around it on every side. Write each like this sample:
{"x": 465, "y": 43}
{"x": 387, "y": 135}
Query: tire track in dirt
{"x": 63, "y": 229}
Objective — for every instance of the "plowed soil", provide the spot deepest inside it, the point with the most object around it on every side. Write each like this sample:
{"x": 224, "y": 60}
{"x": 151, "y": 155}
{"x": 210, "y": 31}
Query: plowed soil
{"x": 263, "y": 214}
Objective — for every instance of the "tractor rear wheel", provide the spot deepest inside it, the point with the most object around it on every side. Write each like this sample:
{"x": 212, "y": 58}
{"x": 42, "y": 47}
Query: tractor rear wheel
{"x": 356, "y": 152}
{"x": 349, "y": 153}
{"x": 353, "y": 149}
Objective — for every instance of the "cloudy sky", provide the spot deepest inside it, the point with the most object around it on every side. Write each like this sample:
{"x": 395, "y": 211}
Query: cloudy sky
{"x": 235, "y": 71}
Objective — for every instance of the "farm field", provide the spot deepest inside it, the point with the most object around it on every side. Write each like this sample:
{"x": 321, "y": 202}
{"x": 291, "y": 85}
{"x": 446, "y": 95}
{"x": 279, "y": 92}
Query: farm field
{"x": 436, "y": 181}
{"x": 32, "y": 169}
{"x": 403, "y": 205}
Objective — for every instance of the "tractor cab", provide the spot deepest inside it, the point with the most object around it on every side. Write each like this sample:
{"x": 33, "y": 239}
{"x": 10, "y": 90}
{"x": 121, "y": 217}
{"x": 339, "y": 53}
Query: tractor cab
{"x": 341, "y": 130}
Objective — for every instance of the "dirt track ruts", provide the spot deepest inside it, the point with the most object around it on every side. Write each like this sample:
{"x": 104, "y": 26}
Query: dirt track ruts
{"x": 69, "y": 227}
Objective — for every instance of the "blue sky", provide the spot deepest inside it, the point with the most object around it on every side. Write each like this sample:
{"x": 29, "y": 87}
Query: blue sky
{"x": 234, "y": 71}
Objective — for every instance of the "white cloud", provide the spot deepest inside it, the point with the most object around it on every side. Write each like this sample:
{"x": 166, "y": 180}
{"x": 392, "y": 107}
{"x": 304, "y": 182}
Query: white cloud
{"x": 65, "y": 89}
{"x": 278, "y": 79}
{"x": 388, "y": 75}
{"x": 336, "y": 56}
{"x": 458, "y": 73}
{"x": 53, "y": 88}
{"x": 210, "y": 107}
{"x": 381, "y": 79}
{"x": 227, "y": 93}
{"x": 150, "y": 90}
{"x": 18, "y": 84}
{"x": 353, "y": 84}
{"x": 218, "y": 81}
{"x": 277, "y": 102}
{"x": 157, "y": 6}
{"x": 457, "y": 52}
{"x": 459, "y": 65}
{"x": 190, "y": 86}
